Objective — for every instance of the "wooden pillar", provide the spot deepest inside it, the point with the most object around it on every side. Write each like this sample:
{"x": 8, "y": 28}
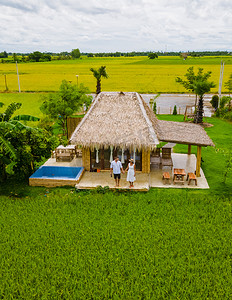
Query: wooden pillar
{"x": 146, "y": 155}
{"x": 189, "y": 149}
{"x": 102, "y": 164}
{"x": 86, "y": 158}
{"x": 198, "y": 166}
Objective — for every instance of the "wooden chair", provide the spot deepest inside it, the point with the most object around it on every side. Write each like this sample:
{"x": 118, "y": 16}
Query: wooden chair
{"x": 166, "y": 159}
{"x": 166, "y": 177}
{"x": 191, "y": 176}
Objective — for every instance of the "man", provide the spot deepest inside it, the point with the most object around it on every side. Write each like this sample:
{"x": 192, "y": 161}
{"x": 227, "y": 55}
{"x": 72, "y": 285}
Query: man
{"x": 116, "y": 168}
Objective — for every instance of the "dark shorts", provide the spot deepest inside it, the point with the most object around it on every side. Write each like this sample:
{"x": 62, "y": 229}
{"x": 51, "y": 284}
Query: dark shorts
{"x": 117, "y": 176}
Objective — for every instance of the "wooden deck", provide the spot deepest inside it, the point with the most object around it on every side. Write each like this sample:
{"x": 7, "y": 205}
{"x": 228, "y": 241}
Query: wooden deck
{"x": 144, "y": 182}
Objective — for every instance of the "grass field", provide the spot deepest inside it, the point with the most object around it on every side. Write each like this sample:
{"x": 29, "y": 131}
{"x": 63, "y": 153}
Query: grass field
{"x": 138, "y": 74}
{"x": 164, "y": 244}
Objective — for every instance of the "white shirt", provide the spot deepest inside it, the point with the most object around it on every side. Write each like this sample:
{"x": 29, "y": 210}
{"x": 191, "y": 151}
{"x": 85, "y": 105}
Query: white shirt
{"x": 116, "y": 166}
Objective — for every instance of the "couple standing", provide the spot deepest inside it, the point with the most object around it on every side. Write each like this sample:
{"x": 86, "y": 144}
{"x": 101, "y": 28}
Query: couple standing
{"x": 116, "y": 168}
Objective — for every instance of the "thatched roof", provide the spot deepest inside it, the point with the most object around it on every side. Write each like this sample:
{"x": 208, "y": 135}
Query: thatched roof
{"x": 178, "y": 132}
{"x": 125, "y": 120}
{"x": 116, "y": 119}
{"x": 184, "y": 133}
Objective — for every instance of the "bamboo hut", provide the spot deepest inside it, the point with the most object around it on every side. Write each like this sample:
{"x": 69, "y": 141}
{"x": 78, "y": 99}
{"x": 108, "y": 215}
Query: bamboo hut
{"x": 122, "y": 124}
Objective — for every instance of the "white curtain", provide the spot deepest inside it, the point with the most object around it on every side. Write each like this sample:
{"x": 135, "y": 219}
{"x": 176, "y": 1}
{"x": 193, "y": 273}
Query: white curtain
{"x": 111, "y": 153}
{"x": 97, "y": 157}
{"x": 122, "y": 159}
{"x": 134, "y": 154}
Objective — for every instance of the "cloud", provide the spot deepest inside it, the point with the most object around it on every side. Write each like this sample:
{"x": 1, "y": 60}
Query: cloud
{"x": 122, "y": 25}
{"x": 19, "y": 5}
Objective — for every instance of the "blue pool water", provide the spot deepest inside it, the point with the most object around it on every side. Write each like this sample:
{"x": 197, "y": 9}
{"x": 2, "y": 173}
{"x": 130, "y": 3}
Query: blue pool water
{"x": 65, "y": 173}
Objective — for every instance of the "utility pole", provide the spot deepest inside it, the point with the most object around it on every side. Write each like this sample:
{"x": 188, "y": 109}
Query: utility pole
{"x": 220, "y": 82}
{"x": 77, "y": 79}
{"x": 18, "y": 77}
{"x": 6, "y": 83}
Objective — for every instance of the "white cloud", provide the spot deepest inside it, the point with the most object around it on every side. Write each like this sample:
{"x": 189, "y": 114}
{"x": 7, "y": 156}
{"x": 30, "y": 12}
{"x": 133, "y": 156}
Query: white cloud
{"x": 122, "y": 25}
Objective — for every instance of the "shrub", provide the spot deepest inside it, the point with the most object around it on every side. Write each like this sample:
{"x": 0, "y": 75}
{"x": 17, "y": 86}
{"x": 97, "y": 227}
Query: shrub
{"x": 214, "y": 101}
{"x": 174, "y": 110}
{"x": 154, "y": 107}
{"x": 224, "y": 101}
{"x": 228, "y": 116}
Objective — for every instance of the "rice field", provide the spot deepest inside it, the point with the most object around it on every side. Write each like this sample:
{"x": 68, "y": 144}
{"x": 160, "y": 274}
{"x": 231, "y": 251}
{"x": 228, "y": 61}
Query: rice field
{"x": 138, "y": 74}
{"x": 58, "y": 244}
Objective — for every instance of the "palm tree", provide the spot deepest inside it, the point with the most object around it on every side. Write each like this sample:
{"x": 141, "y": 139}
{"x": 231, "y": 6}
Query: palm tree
{"x": 192, "y": 78}
{"x": 200, "y": 88}
{"x": 98, "y": 74}
{"x": 7, "y": 124}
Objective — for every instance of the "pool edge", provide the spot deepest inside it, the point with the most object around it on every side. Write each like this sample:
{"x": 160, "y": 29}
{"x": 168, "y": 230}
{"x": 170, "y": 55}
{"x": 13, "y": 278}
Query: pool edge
{"x": 55, "y": 182}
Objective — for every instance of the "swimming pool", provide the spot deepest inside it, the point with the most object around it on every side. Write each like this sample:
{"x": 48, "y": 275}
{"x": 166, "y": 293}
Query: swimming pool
{"x": 56, "y": 176}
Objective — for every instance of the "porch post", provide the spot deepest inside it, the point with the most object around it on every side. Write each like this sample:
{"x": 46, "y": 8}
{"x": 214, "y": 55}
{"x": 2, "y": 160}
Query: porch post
{"x": 189, "y": 149}
{"x": 198, "y": 166}
{"x": 146, "y": 161}
{"x": 86, "y": 158}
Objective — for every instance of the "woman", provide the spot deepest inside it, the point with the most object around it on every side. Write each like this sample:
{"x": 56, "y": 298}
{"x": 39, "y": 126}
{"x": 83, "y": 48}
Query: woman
{"x": 131, "y": 173}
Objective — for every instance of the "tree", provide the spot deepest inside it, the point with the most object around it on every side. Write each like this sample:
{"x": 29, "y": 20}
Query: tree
{"x": 8, "y": 127}
{"x": 200, "y": 88}
{"x": 38, "y": 56}
{"x": 75, "y": 53}
{"x": 98, "y": 74}
{"x": 65, "y": 103}
{"x": 3, "y": 54}
{"x": 152, "y": 55}
{"x": 192, "y": 78}
{"x": 15, "y": 57}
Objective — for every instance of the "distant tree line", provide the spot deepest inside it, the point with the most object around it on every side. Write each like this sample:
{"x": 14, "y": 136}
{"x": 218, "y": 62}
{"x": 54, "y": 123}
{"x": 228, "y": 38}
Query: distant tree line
{"x": 38, "y": 56}
{"x": 158, "y": 53}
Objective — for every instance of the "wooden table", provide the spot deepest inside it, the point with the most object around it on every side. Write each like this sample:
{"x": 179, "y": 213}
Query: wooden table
{"x": 179, "y": 176}
{"x": 64, "y": 156}
{"x": 65, "y": 153}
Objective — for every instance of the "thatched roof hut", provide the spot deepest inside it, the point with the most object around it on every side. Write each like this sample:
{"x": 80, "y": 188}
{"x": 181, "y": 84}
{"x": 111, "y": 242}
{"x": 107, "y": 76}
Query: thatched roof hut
{"x": 125, "y": 120}
{"x": 116, "y": 119}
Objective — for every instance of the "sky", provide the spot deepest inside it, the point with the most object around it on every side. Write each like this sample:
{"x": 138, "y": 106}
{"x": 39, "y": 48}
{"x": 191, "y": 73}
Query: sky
{"x": 115, "y": 25}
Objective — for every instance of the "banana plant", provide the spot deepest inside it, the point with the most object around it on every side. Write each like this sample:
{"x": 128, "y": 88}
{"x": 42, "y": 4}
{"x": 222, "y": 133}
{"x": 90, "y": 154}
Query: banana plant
{"x": 8, "y": 154}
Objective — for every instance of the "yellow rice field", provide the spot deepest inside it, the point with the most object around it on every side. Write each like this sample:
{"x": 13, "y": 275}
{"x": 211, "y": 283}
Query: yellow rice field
{"x": 125, "y": 73}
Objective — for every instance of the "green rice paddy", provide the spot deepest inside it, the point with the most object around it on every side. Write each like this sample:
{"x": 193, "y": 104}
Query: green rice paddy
{"x": 160, "y": 245}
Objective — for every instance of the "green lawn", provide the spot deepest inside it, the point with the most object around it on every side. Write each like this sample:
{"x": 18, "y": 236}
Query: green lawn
{"x": 138, "y": 74}
{"x": 31, "y": 102}
{"x": 164, "y": 244}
